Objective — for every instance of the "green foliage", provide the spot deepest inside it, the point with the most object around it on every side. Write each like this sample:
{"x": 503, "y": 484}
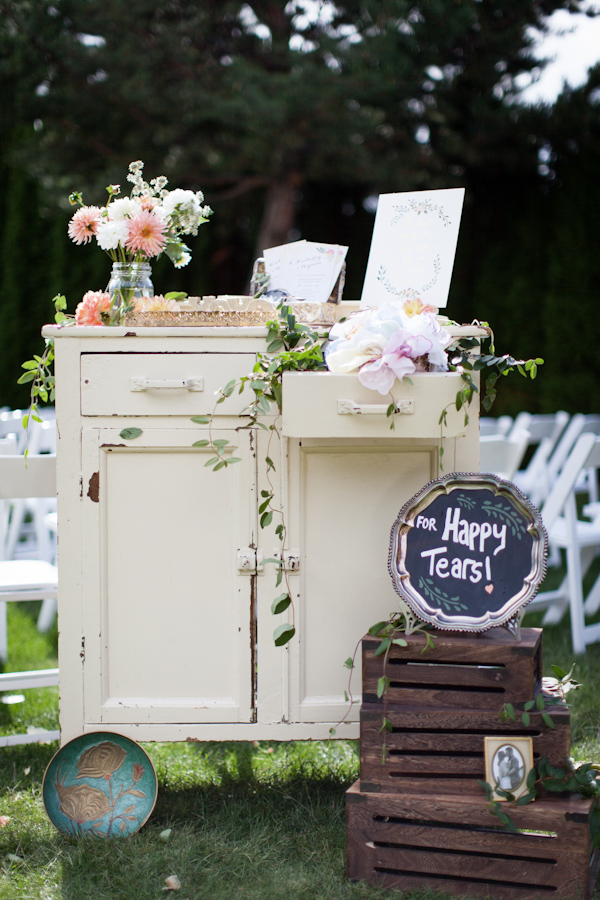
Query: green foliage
{"x": 39, "y": 371}
{"x": 291, "y": 347}
{"x": 582, "y": 778}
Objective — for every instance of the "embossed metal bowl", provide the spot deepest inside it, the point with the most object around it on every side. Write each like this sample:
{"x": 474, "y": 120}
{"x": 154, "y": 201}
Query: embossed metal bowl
{"x": 100, "y": 783}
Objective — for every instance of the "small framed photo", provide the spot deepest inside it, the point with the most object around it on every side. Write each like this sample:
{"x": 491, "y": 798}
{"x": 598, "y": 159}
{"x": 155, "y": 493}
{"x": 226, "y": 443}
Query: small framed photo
{"x": 508, "y": 762}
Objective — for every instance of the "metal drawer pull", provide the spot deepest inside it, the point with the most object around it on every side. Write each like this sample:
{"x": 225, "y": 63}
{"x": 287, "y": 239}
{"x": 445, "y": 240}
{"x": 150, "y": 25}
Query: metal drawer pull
{"x": 140, "y": 383}
{"x": 350, "y": 408}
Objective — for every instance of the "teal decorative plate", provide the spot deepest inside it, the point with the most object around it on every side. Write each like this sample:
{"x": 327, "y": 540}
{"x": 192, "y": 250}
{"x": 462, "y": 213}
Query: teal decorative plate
{"x": 100, "y": 783}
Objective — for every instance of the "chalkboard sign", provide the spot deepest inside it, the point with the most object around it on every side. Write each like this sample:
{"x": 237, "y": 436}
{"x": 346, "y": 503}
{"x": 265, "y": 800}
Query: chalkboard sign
{"x": 468, "y": 552}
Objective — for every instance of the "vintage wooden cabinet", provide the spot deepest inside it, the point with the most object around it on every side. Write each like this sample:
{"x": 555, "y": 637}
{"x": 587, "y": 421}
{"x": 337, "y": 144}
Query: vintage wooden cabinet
{"x": 165, "y": 607}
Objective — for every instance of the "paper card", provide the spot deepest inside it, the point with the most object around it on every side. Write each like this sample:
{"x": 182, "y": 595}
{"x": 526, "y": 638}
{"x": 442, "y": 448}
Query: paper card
{"x": 306, "y": 269}
{"x": 413, "y": 246}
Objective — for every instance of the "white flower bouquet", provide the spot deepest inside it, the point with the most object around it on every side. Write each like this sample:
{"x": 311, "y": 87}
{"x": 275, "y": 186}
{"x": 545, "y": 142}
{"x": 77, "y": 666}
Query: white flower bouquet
{"x": 388, "y": 342}
{"x": 142, "y": 226}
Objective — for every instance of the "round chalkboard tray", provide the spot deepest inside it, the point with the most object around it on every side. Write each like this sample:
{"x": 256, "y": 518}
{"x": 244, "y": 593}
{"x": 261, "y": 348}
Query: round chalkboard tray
{"x": 467, "y": 552}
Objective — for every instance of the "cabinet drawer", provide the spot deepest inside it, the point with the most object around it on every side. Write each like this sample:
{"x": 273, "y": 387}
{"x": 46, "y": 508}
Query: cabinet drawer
{"x": 321, "y": 404}
{"x": 161, "y": 384}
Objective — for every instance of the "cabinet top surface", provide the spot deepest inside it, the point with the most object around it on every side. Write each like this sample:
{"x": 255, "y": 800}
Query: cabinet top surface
{"x": 117, "y": 331}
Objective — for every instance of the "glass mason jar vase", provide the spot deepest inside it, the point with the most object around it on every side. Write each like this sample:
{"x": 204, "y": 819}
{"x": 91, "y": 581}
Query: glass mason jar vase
{"x": 127, "y": 281}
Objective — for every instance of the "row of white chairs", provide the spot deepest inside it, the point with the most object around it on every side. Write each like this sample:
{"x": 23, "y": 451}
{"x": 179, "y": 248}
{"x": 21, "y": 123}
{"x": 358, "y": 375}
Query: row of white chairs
{"x": 561, "y": 466}
{"x": 27, "y": 541}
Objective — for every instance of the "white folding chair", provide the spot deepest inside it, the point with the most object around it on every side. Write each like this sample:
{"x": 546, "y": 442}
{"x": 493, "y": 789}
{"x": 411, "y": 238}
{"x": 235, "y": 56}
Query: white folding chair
{"x": 26, "y": 579}
{"x": 545, "y": 431}
{"x": 502, "y": 455}
{"x": 27, "y": 521}
{"x": 499, "y": 427}
{"x": 557, "y": 459}
{"x": 580, "y": 540}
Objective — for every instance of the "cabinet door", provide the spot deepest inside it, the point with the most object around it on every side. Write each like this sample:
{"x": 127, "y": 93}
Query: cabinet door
{"x": 343, "y": 500}
{"x": 168, "y": 617}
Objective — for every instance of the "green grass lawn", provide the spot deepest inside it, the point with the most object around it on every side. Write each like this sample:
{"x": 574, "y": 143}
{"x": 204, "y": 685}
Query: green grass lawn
{"x": 247, "y": 821}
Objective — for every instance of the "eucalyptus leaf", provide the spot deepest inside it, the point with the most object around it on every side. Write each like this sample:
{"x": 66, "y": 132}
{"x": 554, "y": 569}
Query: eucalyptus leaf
{"x": 201, "y": 420}
{"x": 283, "y": 634}
{"x": 280, "y": 604}
{"x": 128, "y": 434}
{"x": 383, "y": 684}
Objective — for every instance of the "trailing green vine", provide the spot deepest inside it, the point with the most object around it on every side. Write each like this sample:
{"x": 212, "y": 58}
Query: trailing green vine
{"x": 291, "y": 347}
{"x": 40, "y": 370}
{"x": 390, "y": 632}
{"x": 466, "y": 358}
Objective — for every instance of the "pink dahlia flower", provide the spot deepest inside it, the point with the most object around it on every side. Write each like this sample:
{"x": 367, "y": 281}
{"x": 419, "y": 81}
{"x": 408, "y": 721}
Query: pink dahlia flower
{"x": 84, "y": 223}
{"x": 146, "y": 234}
{"x": 89, "y": 310}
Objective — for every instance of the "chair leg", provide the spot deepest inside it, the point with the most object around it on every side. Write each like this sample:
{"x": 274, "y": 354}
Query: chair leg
{"x": 575, "y": 579}
{"x": 3, "y": 633}
{"x": 47, "y": 614}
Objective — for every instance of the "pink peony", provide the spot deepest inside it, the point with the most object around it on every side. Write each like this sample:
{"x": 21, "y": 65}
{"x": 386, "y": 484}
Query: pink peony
{"x": 146, "y": 234}
{"x": 82, "y": 226}
{"x": 88, "y": 311}
{"x": 396, "y": 361}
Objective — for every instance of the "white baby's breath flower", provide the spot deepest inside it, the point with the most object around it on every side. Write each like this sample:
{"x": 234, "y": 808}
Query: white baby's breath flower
{"x": 111, "y": 233}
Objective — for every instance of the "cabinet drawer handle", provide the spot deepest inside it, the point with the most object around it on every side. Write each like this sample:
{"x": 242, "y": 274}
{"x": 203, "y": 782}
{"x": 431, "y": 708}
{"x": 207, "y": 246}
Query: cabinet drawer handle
{"x": 156, "y": 384}
{"x": 350, "y": 408}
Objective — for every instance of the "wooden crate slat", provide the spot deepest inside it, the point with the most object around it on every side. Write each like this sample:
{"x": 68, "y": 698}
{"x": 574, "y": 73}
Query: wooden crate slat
{"x": 452, "y": 844}
{"x": 454, "y": 863}
{"x": 427, "y": 835}
{"x": 469, "y": 887}
{"x": 458, "y": 674}
{"x": 471, "y": 671}
{"x": 430, "y": 748}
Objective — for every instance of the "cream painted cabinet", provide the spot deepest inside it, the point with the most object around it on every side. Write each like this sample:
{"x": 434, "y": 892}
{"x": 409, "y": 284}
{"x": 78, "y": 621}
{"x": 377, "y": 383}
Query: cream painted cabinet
{"x": 164, "y": 601}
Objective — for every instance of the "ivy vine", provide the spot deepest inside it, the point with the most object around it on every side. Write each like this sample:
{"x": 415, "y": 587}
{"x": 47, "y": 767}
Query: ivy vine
{"x": 291, "y": 347}
{"x": 466, "y": 358}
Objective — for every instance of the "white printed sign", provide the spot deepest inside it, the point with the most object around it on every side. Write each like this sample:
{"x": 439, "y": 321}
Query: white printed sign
{"x": 413, "y": 246}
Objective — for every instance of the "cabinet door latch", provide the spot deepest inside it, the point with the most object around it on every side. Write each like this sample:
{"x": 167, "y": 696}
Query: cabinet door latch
{"x": 249, "y": 561}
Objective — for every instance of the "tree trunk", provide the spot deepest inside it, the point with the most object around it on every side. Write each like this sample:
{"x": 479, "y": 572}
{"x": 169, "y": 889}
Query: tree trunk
{"x": 279, "y": 214}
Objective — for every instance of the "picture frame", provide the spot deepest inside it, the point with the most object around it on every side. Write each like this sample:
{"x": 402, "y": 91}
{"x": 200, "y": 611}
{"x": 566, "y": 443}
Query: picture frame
{"x": 508, "y": 762}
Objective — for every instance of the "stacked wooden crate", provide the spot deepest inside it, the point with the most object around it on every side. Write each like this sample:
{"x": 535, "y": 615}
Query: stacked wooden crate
{"x": 417, "y": 817}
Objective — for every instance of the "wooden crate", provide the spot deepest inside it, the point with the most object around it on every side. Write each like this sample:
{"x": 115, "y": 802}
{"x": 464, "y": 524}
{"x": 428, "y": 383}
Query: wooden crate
{"x": 454, "y": 845}
{"x": 469, "y": 671}
{"x": 434, "y": 750}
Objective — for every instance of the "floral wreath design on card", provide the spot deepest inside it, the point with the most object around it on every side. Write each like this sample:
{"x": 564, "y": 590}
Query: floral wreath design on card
{"x": 421, "y": 207}
{"x": 409, "y": 293}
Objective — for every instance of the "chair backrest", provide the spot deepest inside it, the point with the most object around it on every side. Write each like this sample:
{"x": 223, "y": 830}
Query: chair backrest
{"x": 584, "y": 455}
{"x": 502, "y": 455}
{"x": 488, "y": 425}
{"x": 34, "y": 477}
{"x": 11, "y": 423}
{"x": 542, "y": 425}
